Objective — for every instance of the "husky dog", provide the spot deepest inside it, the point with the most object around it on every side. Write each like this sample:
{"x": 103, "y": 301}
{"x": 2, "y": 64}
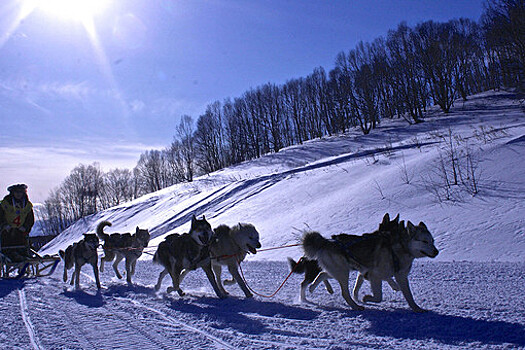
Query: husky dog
{"x": 311, "y": 270}
{"x": 229, "y": 248}
{"x": 377, "y": 256}
{"x": 118, "y": 246}
{"x": 187, "y": 251}
{"x": 386, "y": 227}
{"x": 79, "y": 254}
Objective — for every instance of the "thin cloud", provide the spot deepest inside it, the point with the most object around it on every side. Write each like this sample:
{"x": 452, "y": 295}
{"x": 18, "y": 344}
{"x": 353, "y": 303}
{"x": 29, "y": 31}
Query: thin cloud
{"x": 44, "y": 168}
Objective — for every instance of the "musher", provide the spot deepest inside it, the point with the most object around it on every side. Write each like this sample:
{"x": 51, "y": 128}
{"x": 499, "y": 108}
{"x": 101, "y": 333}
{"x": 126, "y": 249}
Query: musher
{"x": 16, "y": 220}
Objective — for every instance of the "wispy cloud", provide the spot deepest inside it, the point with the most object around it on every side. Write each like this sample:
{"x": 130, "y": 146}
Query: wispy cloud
{"x": 44, "y": 168}
{"x": 69, "y": 90}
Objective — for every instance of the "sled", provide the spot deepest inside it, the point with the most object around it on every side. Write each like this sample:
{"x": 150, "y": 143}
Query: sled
{"x": 21, "y": 261}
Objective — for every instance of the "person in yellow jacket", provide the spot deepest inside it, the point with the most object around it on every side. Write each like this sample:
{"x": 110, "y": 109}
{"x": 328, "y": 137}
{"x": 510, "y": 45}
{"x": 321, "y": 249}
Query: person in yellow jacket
{"x": 16, "y": 220}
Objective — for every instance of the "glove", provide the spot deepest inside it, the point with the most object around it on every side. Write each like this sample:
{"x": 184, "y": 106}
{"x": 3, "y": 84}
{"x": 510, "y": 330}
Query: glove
{"x": 22, "y": 229}
{"x": 6, "y": 227}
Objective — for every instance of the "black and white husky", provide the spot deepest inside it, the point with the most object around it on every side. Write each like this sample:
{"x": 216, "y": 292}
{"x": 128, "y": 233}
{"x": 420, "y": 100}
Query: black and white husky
{"x": 378, "y": 256}
{"x": 78, "y": 254}
{"x": 119, "y": 246}
{"x": 187, "y": 251}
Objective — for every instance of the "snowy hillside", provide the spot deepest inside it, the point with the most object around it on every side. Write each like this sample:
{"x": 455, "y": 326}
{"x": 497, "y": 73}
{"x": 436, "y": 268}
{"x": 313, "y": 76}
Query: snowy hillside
{"x": 347, "y": 183}
{"x": 473, "y": 289}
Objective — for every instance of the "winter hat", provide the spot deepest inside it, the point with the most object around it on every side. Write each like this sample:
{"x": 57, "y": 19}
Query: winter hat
{"x": 17, "y": 187}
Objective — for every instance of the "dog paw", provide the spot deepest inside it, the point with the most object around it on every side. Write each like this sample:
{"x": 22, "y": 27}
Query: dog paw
{"x": 370, "y": 299}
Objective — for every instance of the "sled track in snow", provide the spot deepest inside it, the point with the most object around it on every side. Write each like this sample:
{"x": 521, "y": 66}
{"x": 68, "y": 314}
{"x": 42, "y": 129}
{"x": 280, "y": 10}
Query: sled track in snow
{"x": 27, "y": 321}
{"x": 160, "y": 343}
{"x": 218, "y": 342}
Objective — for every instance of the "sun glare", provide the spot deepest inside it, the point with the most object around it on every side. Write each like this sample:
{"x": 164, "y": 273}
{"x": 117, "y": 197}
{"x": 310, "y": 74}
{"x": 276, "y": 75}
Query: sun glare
{"x": 79, "y": 10}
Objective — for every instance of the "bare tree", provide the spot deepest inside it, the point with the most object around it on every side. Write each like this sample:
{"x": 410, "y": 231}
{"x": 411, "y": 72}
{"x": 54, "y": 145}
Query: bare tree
{"x": 503, "y": 22}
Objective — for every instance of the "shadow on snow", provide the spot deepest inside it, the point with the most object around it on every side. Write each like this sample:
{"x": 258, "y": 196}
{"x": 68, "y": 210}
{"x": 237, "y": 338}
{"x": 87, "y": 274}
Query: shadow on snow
{"x": 447, "y": 329}
{"x": 83, "y": 298}
{"x": 230, "y": 313}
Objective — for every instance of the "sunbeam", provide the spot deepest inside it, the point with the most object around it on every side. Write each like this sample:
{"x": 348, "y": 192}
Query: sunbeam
{"x": 104, "y": 62}
{"x": 22, "y": 10}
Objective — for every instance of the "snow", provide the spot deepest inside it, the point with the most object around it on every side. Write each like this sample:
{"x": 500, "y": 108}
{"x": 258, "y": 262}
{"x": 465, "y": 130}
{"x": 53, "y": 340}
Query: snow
{"x": 123, "y": 317}
{"x": 343, "y": 183}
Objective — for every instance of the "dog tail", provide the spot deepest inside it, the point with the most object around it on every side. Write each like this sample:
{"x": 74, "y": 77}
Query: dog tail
{"x": 100, "y": 230}
{"x": 313, "y": 243}
{"x": 156, "y": 257}
{"x": 296, "y": 267}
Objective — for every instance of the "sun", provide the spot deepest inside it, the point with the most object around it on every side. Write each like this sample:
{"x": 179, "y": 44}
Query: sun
{"x": 77, "y": 10}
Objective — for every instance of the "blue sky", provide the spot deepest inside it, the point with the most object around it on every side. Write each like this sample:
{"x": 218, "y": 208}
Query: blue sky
{"x": 71, "y": 95}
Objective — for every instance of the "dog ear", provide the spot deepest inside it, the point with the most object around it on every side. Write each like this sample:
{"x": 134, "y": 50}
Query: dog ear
{"x": 137, "y": 230}
{"x": 386, "y": 219}
{"x": 410, "y": 228}
{"x": 422, "y": 224}
{"x": 396, "y": 219}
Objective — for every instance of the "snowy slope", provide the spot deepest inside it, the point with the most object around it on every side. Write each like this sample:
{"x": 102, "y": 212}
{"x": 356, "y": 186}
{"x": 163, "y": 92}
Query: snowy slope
{"x": 347, "y": 183}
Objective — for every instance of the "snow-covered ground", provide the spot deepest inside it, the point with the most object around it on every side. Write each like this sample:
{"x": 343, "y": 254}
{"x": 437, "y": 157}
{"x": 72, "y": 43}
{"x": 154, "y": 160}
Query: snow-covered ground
{"x": 472, "y": 305}
{"x": 346, "y": 183}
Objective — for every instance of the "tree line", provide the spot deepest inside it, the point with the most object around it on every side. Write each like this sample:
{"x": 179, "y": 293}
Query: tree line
{"x": 396, "y": 76}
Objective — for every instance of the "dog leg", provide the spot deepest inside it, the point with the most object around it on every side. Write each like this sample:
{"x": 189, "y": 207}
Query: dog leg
{"x": 304, "y": 285}
{"x": 402, "y": 281}
{"x": 358, "y": 283}
{"x": 118, "y": 259}
{"x": 377, "y": 291}
{"x": 392, "y": 284}
{"x": 133, "y": 265}
{"x": 102, "y": 260}
{"x": 211, "y": 278}
{"x": 217, "y": 269}
{"x": 95, "y": 271}
{"x": 342, "y": 278}
{"x": 328, "y": 286}
{"x": 161, "y": 277}
{"x": 322, "y": 277}
{"x": 72, "y": 279}
{"x": 65, "y": 273}
{"x": 76, "y": 276}
{"x": 235, "y": 273}
{"x": 128, "y": 270}
{"x": 175, "y": 279}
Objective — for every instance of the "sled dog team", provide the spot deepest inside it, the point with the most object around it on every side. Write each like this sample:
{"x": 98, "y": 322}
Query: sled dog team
{"x": 386, "y": 254}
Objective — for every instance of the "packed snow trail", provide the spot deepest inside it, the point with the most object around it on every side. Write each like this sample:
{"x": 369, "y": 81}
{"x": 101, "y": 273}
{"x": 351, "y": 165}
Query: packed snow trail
{"x": 476, "y": 305}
